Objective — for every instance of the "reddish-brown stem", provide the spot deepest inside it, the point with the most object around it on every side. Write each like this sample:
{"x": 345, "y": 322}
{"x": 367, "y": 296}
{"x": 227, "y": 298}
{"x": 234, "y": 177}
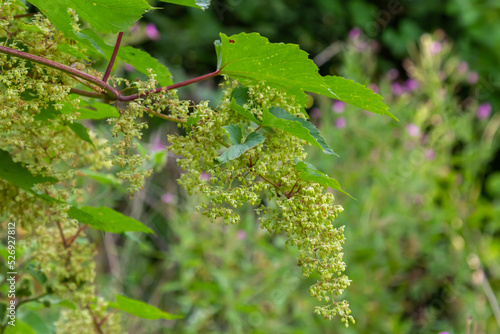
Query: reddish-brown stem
{"x": 62, "y": 235}
{"x": 113, "y": 57}
{"x": 111, "y": 93}
{"x": 73, "y": 238}
{"x": 85, "y": 93}
{"x": 168, "y": 118}
{"x": 103, "y": 320}
{"x": 94, "y": 319}
{"x": 177, "y": 85}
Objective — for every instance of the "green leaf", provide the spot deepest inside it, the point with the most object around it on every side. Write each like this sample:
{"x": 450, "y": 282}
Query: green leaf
{"x": 141, "y": 309}
{"x": 281, "y": 119}
{"x": 21, "y": 327}
{"x": 36, "y": 273}
{"x": 106, "y": 219}
{"x": 238, "y": 148}
{"x": 57, "y": 13}
{"x": 239, "y": 97}
{"x": 140, "y": 60}
{"x": 103, "y": 178}
{"x": 72, "y": 50}
{"x": 98, "y": 110}
{"x": 81, "y": 132}
{"x": 252, "y": 57}
{"x": 106, "y": 16}
{"x": 20, "y": 176}
{"x": 203, "y": 4}
{"x": 235, "y": 133}
{"x": 356, "y": 94}
{"x": 309, "y": 173}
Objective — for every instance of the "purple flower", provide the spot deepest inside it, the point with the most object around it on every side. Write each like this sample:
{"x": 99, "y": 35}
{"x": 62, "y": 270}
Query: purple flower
{"x": 472, "y": 78}
{"x": 241, "y": 234}
{"x": 435, "y": 47}
{"x": 205, "y": 176}
{"x": 373, "y": 87}
{"x": 338, "y": 106}
{"x": 413, "y": 130}
{"x": 152, "y": 32}
{"x": 156, "y": 144}
{"x": 483, "y": 111}
{"x": 315, "y": 112}
{"x": 129, "y": 68}
{"x": 340, "y": 123}
{"x": 430, "y": 154}
{"x": 167, "y": 198}
{"x": 462, "y": 67}
{"x": 397, "y": 89}
{"x": 443, "y": 333}
{"x": 411, "y": 85}
{"x": 354, "y": 33}
{"x": 393, "y": 74}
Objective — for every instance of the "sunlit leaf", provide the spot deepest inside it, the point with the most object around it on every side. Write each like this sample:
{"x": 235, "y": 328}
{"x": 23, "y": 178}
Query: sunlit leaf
{"x": 141, "y": 309}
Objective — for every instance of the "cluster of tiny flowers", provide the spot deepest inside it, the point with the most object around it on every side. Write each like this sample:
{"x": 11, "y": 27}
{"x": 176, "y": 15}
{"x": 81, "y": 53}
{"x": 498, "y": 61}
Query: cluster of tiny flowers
{"x": 265, "y": 176}
{"x": 82, "y": 321}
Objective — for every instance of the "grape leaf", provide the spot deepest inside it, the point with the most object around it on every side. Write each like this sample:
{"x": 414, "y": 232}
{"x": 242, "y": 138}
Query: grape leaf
{"x": 106, "y": 219}
{"x": 81, "y": 132}
{"x": 141, "y": 309}
{"x": 238, "y": 98}
{"x": 252, "y": 57}
{"x": 20, "y": 176}
{"x": 106, "y": 16}
{"x": 279, "y": 118}
{"x": 203, "y": 4}
{"x": 238, "y": 148}
{"x": 309, "y": 173}
{"x": 356, "y": 94}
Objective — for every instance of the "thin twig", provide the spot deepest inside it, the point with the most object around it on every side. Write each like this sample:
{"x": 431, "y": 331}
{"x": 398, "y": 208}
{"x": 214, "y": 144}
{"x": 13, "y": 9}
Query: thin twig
{"x": 174, "y": 86}
{"x": 168, "y": 118}
{"x": 94, "y": 319}
{"x": 111, "y": 93}
{"x": 113, "y": 57}
{"x": 73, "y": 238}
{"x": 85, "y": 93}
{"x": 62, "y": 235}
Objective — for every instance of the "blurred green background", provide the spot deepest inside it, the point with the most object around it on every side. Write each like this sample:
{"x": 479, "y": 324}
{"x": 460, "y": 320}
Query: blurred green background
{"x": 423, "y": 237}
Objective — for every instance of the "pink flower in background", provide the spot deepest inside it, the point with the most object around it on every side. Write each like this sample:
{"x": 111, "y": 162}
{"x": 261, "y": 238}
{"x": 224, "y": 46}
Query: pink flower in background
{"x": 443, "y": 333}
{"x": 167, "y": 198}
{"x": 241, "y": 234}
{"x": 338, "y": 106}
{"x": 340, "y": 123}
{"x": 413, "y": 130}
{"x": 152, "y": 32}
{"x": 483, "y": 111}
{"x": 373, "y": 87}
{"x": 472, "y": 78}
{"x": 411, "y": 85}
{"x": 393, "y": 74}
{"x": 315, "y": 112}
{"x": 157, "y": 144}
{"x": 354, "y": 33}
{"x": 129, "y": 68}
{"x": 435, "y": 47}
{"x": 397, "y": 89}
{"x": 205, "y": 176}
{"x": 462, "y": 67}
{"x": 430, "y": 154}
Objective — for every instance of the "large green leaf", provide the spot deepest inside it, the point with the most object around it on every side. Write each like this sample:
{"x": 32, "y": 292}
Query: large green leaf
{"x": 203, "y": 4}
{"x": 356, "y": 94}
{"x": 106, "y": 219}
{"x": 141, "y": 309}
{"x": 252, "y": 57}
{"x": 106, "y": 16}
{"x": 238, "y": 148}
{"x": 238, "y": 98}
{"x": 279, "y": 118}
{"x": 81, "y": 132}
{"x": 20, "y": 176}
{"x": 309, "y": 173}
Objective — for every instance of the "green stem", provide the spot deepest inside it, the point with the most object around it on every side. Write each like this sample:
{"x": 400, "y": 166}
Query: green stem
{"x": 111, "y": 93}
{"x": 168, "y": 118}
